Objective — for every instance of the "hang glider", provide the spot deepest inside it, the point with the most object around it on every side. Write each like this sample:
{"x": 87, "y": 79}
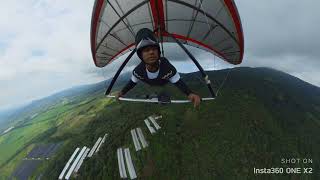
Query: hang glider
{"x": 212, "y": 25}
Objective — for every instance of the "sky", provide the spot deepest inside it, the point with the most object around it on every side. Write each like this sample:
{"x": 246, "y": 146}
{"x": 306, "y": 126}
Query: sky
{"x": 45, "y": 45}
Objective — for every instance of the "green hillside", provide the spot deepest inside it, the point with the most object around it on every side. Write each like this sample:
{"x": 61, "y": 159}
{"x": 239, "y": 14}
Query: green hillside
{"x": 41, "y": 119}
{"x": 260, "y": 116}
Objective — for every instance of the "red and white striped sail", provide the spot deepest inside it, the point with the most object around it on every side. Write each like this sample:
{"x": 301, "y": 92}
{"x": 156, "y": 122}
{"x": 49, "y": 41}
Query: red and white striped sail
{"x": 212, "y": 25}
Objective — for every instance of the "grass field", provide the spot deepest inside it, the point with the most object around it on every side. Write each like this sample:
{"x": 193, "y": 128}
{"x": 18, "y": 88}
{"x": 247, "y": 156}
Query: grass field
{"x": 56, "y": 121}
{"x": 19, "y": 138}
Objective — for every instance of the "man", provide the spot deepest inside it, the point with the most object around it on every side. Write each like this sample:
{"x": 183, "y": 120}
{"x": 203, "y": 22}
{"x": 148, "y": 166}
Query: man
{"x": 153, "y": 69}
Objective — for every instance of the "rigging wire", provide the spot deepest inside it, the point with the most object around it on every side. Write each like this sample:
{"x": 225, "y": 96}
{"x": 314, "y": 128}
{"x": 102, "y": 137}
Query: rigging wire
{"x": 214, "y": 59}
{"x": 225, "y": 79}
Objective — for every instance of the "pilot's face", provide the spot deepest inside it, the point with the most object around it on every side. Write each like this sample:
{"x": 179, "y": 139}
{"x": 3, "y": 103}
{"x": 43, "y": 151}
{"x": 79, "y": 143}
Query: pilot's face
{"x": 150, "y": 54}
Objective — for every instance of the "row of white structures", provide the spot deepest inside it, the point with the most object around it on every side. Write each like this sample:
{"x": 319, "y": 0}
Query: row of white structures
{"x": 124, "y": 156}
{"x": 75, "y": 161}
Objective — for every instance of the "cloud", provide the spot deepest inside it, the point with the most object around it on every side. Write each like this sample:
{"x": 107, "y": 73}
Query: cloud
{"x": 44, "y": 48}
{"x": 282, "y": 35}
{"x": 275, "y": 28}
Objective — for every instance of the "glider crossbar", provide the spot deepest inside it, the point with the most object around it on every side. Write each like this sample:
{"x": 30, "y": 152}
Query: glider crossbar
{"x": 155, "y": 100}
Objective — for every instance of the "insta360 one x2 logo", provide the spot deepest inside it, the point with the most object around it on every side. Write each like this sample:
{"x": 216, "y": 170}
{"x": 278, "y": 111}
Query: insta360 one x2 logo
{"x": 294, "y": 168}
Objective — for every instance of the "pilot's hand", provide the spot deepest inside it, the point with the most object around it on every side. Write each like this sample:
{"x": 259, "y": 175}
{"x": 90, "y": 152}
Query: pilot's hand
{"x": 195, "y": 99}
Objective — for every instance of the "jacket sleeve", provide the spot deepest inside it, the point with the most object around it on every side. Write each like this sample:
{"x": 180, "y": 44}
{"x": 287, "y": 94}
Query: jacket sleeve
{"x": 183, "y": 87}
{"x": 128, "y": 87}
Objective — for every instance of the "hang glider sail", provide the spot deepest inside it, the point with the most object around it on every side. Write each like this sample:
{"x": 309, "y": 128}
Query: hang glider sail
{"x": 212, "y": 25}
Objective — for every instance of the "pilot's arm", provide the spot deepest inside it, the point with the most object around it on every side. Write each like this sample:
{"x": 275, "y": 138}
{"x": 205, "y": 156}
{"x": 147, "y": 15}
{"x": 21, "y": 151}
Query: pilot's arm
{"x": 132, "y": 82}
{"x": 178, "y": 82}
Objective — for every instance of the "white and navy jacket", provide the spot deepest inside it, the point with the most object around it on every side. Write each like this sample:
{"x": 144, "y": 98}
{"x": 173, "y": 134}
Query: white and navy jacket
{"x": 165, "y": 74}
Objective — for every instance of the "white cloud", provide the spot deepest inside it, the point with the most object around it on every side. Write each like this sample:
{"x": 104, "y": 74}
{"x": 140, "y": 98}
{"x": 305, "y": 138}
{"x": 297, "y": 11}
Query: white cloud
{"x": 282, "y": 35}
{"x": 58, "y": 29}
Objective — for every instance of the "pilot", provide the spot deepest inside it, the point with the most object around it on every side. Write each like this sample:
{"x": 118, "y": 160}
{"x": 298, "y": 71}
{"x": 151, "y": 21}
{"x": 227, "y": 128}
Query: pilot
{"x": 153, "y": 69}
